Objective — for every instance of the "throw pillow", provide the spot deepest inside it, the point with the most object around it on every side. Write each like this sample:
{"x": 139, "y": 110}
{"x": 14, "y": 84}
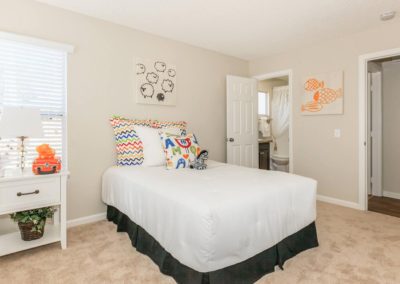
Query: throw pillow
{"x": 128, "y": 145}
{"x": 152, "y": 149}
{"x": 179, "y": 150}
{"x": 168, "y": 124}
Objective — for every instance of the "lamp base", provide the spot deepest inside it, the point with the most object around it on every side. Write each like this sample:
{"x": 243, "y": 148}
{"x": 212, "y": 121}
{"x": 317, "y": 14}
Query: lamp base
{"x": 22, "y": 152}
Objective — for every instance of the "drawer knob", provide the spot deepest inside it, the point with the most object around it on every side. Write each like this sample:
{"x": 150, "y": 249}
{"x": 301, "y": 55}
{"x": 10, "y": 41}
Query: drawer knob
{"x": 28, "y": 193}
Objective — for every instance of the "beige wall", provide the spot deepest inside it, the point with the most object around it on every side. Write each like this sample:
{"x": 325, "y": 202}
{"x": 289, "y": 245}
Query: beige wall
{"x": 331, "y": 161}
{"x": 390, "y": 121}
{"x": 268, "y": 84}
{"x": 100, "y": 83}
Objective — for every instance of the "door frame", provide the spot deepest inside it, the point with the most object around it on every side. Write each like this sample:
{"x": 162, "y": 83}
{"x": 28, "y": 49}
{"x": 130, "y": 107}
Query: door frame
{"x": 363, "y": 121}
{"x": 289, "y": 74}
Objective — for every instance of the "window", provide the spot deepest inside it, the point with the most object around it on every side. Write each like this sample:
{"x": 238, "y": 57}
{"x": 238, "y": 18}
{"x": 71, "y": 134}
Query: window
{"x": 263, "y": 103}
{"x": 33, "y": 74}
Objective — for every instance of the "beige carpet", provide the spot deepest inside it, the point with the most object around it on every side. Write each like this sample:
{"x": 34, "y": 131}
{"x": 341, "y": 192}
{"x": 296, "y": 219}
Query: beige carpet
{"x": 355, "y": 247}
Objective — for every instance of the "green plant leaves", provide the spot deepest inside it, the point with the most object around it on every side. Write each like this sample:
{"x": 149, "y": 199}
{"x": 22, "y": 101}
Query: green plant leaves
{"x": 35, "y": 216}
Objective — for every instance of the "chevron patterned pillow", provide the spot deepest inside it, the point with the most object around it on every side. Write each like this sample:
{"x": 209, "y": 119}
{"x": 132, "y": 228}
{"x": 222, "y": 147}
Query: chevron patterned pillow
{"x": 128, "y": 144}
{"x": 169, "y": 124}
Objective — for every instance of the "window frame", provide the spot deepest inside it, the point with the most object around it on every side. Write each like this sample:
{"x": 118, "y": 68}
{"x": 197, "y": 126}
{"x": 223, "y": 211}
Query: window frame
{"x": 60, "y": 47}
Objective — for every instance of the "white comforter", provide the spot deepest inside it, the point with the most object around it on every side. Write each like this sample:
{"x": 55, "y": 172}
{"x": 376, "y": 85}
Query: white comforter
{"x": 214, "y": 218}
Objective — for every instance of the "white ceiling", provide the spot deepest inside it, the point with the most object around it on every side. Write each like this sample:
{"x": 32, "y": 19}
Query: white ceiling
{"x": 247, "y": 29}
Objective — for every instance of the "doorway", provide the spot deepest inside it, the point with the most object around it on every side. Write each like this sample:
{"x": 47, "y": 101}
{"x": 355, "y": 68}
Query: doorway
{"x": 379, "y": 117}
{"x": 273, "y": 123}
{"x": 259, "y": 124}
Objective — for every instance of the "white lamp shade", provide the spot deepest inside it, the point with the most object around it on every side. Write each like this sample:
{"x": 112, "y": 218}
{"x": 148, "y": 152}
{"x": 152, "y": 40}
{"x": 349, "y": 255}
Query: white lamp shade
{"x": 21, "y": 121}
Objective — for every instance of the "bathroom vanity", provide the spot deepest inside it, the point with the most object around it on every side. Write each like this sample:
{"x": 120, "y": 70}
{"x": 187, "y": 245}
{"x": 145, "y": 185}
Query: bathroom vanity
{"x": 264, "y": 154}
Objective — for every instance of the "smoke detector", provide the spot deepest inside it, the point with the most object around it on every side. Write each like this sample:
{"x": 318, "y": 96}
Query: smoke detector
{"x": 386, "y": 16}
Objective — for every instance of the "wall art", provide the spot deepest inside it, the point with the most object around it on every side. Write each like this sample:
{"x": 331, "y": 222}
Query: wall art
{"x": 323, "y": 94}
{"x": 155, "y": 82}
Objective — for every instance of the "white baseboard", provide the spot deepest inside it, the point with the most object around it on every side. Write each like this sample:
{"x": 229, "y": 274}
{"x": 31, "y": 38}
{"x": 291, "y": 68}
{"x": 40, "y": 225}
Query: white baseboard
{"x": 339, "y": 202}
{"x": 391, "y": 194}
{"x": 86, "y": 220}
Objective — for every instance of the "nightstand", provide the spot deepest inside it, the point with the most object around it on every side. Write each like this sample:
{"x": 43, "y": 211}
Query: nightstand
{"x": 28, "y": 191}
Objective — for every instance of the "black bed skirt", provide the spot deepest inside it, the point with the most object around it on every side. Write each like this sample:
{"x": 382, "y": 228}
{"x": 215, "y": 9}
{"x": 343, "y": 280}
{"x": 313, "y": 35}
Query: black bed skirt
{"x": 244, "y": 272}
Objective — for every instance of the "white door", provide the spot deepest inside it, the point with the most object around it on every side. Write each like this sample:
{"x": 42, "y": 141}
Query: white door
{"x": 376, "y": 133}
{"x": 369, "y": 127}
{"x": 242, "y": 129}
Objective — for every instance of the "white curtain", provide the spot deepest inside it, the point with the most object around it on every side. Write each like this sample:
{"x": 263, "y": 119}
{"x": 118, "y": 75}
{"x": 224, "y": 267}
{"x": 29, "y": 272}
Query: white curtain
{"x": 280, "y": 111}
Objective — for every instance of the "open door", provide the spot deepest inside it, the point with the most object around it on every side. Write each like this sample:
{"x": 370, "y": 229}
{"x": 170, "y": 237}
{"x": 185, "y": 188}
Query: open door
{"x": 242, "y": 129}
{"x": 375, "y": 133}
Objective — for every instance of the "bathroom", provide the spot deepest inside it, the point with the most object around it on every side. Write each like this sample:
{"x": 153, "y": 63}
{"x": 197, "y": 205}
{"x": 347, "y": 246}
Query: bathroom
{"x": 273, "y": 123}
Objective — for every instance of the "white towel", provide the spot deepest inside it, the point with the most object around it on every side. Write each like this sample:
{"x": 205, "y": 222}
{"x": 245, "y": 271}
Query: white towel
{"x": 264, "y": 127}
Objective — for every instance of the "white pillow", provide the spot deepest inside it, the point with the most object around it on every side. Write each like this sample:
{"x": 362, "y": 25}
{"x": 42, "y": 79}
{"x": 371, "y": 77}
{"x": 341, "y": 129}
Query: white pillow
{"x": 152, "y": 148}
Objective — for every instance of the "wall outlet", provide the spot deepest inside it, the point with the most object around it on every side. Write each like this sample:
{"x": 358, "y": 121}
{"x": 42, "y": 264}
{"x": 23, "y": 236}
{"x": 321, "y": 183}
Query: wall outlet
{"x": 337, "y": 133}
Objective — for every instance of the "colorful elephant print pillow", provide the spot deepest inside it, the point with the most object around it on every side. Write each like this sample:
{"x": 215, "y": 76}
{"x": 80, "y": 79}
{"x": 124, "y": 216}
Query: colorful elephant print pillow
{"x": 179, "y": 150}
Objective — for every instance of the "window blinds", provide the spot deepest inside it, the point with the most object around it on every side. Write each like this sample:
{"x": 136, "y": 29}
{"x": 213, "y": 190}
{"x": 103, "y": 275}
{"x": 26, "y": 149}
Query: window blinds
{"x": 33, "y": 76}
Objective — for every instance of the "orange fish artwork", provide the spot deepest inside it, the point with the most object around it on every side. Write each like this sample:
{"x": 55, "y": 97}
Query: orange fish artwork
{"x": 313, "y": 84}
{"x": 312, "y": 106}
{"x": 327, "y": 96}
{"x": 323, "y": 94}
{"x": 321, "y": 97}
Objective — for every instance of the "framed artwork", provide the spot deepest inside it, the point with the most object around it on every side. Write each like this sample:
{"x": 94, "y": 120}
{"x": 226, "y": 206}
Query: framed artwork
{"x": 323, "y": 94}
{"x": 155, "y": 82}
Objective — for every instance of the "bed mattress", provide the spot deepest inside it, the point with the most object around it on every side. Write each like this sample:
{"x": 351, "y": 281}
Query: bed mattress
{"x": 214, "y": 218}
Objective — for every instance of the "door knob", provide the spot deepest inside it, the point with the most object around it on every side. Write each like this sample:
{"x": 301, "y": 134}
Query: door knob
{"x": 231, "y": 140}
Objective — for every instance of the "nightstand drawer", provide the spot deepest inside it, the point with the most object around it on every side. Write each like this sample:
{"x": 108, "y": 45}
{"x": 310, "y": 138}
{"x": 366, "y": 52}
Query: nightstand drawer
{"x": 18, "y": 195}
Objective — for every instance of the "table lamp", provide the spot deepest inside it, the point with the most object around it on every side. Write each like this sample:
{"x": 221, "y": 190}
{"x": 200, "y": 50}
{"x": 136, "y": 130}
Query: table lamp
{"x": 21, "y": 123}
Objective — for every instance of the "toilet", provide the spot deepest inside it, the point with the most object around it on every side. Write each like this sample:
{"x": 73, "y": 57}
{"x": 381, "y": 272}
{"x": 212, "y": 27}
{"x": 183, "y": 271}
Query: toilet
{"x": 280, "y": 163}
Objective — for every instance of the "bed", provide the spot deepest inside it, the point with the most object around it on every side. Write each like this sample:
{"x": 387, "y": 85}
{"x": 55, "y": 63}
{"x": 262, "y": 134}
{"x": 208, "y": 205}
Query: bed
{"x": 226, "y": 224}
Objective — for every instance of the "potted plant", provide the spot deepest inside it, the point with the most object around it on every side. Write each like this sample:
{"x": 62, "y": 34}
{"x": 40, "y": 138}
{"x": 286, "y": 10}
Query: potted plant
{"x": 31, "y": 222}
